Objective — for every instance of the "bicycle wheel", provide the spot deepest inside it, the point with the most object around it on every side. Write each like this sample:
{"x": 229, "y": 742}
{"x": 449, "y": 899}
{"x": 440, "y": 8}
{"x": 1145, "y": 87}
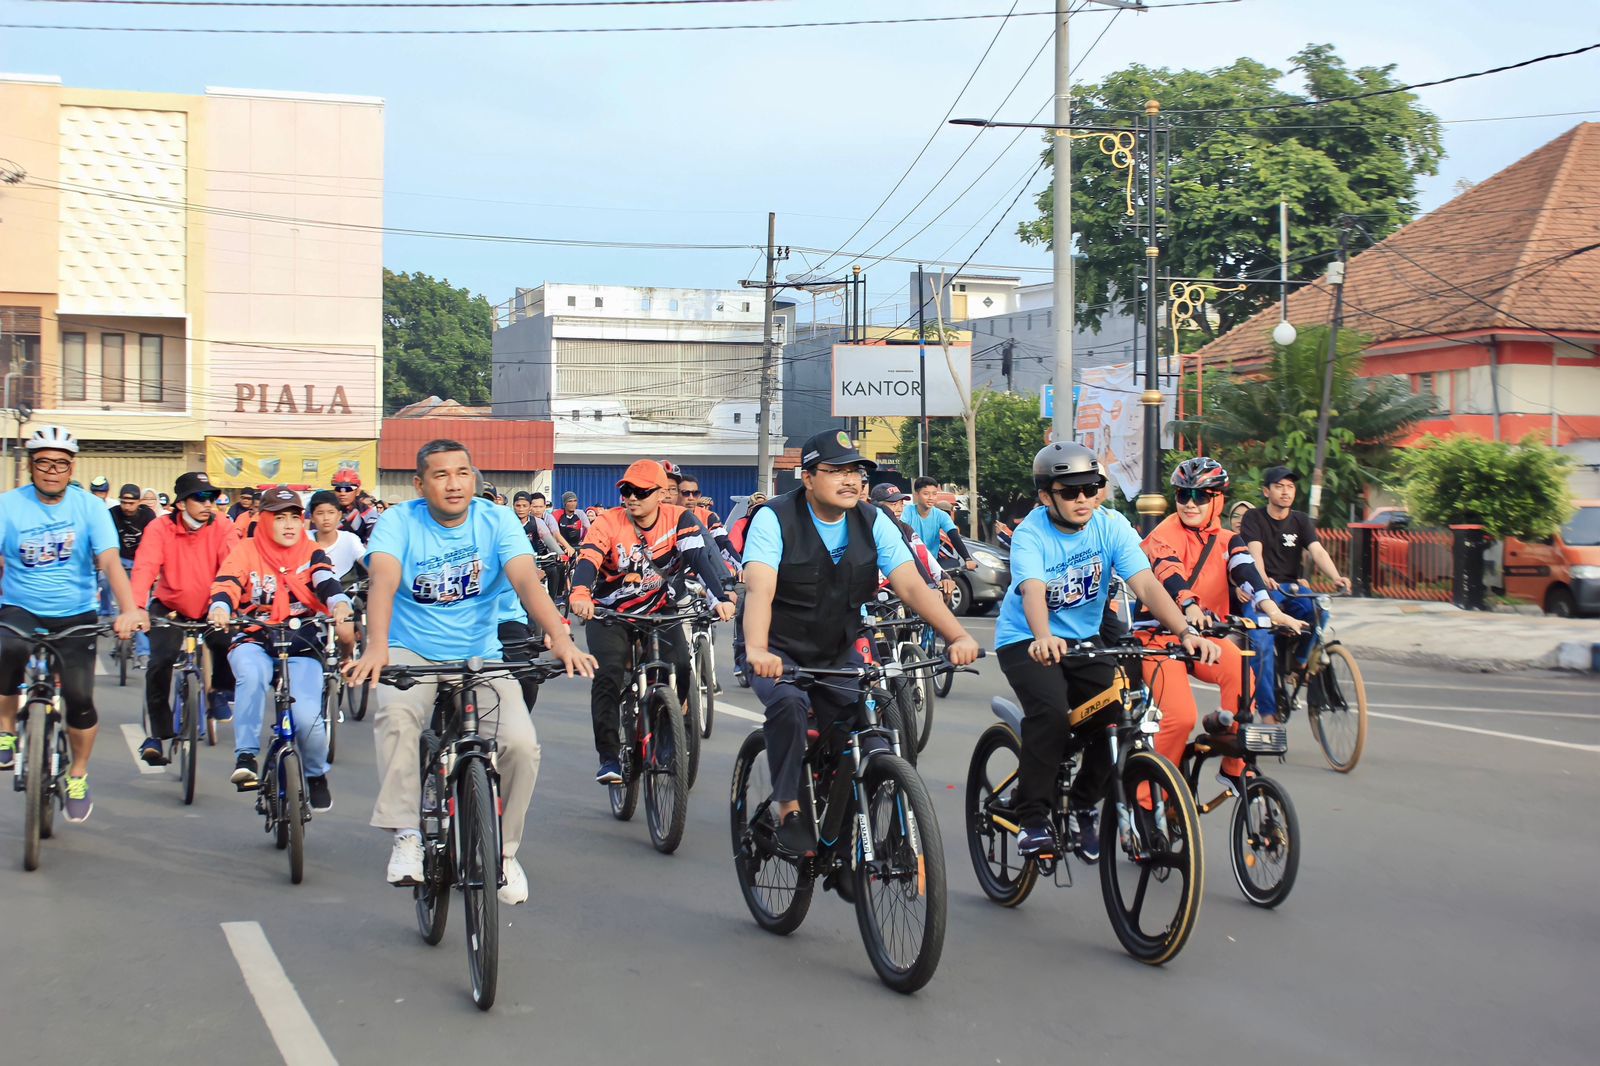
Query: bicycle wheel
{"x": 37, "y": 790}
{"x": 705, "y": 672}
{"x": 944, "y": 679}
{"x": 1265, "y": 849}
{"x": 919, "y": 692}
{"x": 666, "y": 782}
{"x": 896, "y": 712}
{"x": 1153, "y": 874}
{"x": 900, "y": 883}
{"x": 480, "y": 880}
{"x": 122, "y": 653}
{"x": 356, "y": 696}
{"x": 777, "y": 891}
{"x": 433, "y": 895}
{"x": 330, "y": 712}
{"x": 1004, "y": 876}
{"x": 292, "y": 811}
{"x": 47, "y": 813}
{"x": 692, "y": 731}
{"x": 625, "y": 796}
{"x": 191, "y": 707}
{"x": 1337, "y": 703}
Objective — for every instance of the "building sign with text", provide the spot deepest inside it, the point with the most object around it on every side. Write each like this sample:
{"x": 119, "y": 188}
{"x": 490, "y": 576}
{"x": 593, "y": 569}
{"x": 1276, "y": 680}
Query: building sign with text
{"x": 884, "y": 379}
{"x": 327, "y": 391}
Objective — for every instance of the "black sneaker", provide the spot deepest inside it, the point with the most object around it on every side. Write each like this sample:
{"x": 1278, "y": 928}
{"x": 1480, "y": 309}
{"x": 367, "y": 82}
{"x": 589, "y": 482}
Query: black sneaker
{"x": 1088, "y": 842}
{"x": 244, "y": 771}
{"x": 1036, "y": 840}
{"x": 321, "y": 799}
{"x": 795, "y": 835}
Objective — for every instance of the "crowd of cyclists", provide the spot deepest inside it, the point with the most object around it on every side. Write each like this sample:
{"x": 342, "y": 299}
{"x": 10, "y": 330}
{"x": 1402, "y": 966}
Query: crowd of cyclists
{"x": 461, "y": 573}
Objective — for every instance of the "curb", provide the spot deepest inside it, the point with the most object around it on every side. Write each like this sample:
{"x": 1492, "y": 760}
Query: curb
{"x": 1384, "y": 653}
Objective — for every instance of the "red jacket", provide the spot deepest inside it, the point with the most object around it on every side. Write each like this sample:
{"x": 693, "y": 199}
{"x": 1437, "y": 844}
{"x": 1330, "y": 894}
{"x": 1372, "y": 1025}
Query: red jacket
{"x": 180, "y": 563}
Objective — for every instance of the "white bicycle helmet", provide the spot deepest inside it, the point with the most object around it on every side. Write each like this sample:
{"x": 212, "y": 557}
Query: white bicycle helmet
{"x": 55, "y": 437}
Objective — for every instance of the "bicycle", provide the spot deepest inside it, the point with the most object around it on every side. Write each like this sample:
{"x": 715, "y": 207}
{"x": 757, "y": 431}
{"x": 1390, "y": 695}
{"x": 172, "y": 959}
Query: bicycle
{"x": 356, "y": 696}
{"x": 1158, "y": 841}
{"x": 879, "y": 840}
{"x": 122, "y": 655}
{"x": 896, "y": 634}
{"x": 460, "y": 811}
{"x": 43, "y": 755}
{"x": 703, "y": 661}
{"x": 335, "y": 691}
{"x": 189, "y": 704}
{"x": 1329, "y": 678}
{"x": 1264, "y": 839}
{"x": 654, "y": 748}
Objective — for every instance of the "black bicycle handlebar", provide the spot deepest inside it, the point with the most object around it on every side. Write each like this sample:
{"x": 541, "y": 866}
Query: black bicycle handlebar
{"x": 41, "y": 637}
{"x": 404, "y": 677}
{"x": 611, "y": 616}
{"x": 874, "y": 671}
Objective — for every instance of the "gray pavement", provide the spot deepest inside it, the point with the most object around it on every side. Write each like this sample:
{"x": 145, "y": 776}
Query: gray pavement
{"x": 1444, "y": 913}
{"x": 1424, "y": 633}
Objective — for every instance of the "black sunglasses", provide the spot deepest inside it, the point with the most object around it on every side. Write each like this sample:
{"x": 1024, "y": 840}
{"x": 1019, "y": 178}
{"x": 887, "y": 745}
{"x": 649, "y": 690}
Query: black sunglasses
{"x": 1193, "y": 495}
{"x": 1072, "y": 492}
{"x": 634, "y": 492}
{"x": 344, "y": 488}
{"x": 203, "y": 497}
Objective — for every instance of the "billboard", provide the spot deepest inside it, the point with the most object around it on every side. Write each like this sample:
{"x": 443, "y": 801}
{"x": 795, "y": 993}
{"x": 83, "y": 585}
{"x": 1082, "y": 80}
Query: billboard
{"x": 882, "y": 379}
{"x": 1110, "y": 422}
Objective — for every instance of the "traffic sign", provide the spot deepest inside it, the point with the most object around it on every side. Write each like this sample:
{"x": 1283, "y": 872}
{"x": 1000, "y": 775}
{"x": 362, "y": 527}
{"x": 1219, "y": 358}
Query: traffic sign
{"x": 1047, "y": 400}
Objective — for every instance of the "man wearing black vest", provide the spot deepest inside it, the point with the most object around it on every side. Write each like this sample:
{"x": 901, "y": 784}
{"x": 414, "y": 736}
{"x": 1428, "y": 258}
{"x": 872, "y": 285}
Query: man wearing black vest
{"x": 811, "y": 560}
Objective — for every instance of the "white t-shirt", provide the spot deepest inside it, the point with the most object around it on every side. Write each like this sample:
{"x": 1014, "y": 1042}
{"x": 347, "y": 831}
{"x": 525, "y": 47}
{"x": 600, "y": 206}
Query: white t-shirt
{"x": 344, "y": 554}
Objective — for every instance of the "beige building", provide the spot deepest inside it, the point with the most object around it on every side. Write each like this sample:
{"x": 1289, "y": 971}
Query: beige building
{"x": 190, "y": 280}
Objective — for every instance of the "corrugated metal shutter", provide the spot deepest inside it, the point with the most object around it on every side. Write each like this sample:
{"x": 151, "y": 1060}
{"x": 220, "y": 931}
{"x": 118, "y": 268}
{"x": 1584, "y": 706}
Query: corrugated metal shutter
{"x": 596, "y": 483}
{"x": 723, "y": 483}
{"x": 148, "y": 464}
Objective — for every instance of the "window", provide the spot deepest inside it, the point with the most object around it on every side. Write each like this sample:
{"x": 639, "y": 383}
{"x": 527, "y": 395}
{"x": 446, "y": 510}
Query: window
{"x": 599, "y": 301}
{"x": 644, "y": 303}
{"x": 738, "y": 416}
{"x": 150, "y": 368}
{"x": 961, "y": 288}
{"x": 747, "y": 305}
{"x": 112, "y": 369}
{"x": 575, "y": 414}
{"x": 72, "y": 366}
{"x": 672, "y": 305}
{"x": 572, "y": 301}
{"x": 1425, "y": 383}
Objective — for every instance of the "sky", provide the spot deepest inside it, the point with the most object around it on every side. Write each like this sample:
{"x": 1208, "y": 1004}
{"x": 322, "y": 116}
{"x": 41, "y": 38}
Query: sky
{"x": 693, "y": 137}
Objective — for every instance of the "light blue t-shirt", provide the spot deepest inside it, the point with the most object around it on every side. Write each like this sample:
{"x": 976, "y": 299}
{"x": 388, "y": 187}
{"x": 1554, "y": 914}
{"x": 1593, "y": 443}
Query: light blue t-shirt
{"x": 929, "y": 528}
{"x": 452, "y": 579}
{"x": 49, "y": 551}
{"x": 1076, "y": 569}
{"x": 764, "y": 540}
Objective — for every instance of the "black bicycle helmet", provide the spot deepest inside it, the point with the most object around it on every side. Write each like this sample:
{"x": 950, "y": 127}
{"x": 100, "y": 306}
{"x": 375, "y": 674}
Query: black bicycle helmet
{"x": 1201, "y": 472}
{"x": 1065, "y": 461}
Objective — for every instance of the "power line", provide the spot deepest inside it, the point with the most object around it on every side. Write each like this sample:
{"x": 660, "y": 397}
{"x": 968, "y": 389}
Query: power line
{"x": 334, "y": 5}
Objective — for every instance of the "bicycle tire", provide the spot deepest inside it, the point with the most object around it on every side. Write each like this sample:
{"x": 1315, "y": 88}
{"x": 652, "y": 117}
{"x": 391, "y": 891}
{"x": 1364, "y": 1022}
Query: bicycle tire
{"x": 47, "y": 813}
{"x": 705, "y": 662}
{"x": 124, "y": 652}
{"x": 292, "y": 811}
{"x": 896, "y": 713}
{"x": 908, "y": 851}
{"x": 1342, "y": 741}
{"x": 357, "y": 695}
{"x": 433, "y": 895}
{"x": 777, "y": 892}
{"x": 480, "y": 880}
{"x": 34, "y": 786}
{"x": 664, "y": 771}
{"x": 691, "y": 732}
{"x": 1277, "y": 843}
{"x": 1006, "y": 879}
{"x": 1186, "y": 859}
{"x": 625, "y": 796}
{"x": 920, "y": 692}
{"x": 330, "y": 713}
{"x": 192, "y": 709}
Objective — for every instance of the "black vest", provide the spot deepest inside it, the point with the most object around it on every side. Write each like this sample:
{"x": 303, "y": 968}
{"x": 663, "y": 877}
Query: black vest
{"x": 816, "y": 608}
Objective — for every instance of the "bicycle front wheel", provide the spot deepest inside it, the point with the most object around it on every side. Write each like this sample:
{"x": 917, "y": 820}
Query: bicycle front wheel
{"x": 1153, "y": 874}
{"x": 124, "y": 652}
{"x": 1338, "y": 709}
{"x": 896, "y": 712}
{"x": 1265, "y": 849}
{"x": 900, "y": 883}
{"x": 480, "y": 880}
{"x": 625, "y": 796}
{"x": 705, "y": 671}
{"x": 47, "y": 813}
{"x": 1005, "y": 876}
{"x": 692, "y": 733}
{"x": 292, "y": 810}
{"x": 665, "y": 773}
{"x": 919, "y": 693}
{"x": 330, "y": 712}
{"x": 777, "y": 891}
{"x": 944, "y": 679}
{"x": 433, "y": 895}
{"x": 36, "y": 790}
{"x": 191, "y": 707}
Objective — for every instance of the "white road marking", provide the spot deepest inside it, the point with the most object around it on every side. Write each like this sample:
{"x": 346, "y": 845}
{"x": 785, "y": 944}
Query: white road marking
{"x": 1486, "y": 710}
{"x": 724, "y": 707}
{"x": 1489, "y": 732}
{"x": 135, "y": 737}
{"x": 1485, "y": 688}
{"x": 286, "y": 1016}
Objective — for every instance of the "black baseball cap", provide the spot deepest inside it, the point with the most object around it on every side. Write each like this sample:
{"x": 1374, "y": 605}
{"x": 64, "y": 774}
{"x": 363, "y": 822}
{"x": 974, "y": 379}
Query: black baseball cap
{"x": 1276, "y": 474}
{"x": 835, "y": 447}
{"x": 887, "y": 493}
{"x": 248, "y": 493}
{"x": 280, "y": 499}
{"x": 193, "y": 483}
{"x": 522, "y": 494}
{"x": 133, "y": 491}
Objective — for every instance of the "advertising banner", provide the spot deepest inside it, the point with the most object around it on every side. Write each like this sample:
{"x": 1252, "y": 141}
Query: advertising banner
{"x": 1110, "y": 422}
{"x": 882, "y": 379}
{"x": 234, "y": 462}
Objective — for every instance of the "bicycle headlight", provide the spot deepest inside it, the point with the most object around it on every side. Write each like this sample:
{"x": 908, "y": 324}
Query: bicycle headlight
{"x": 987, "y": 558}
{"x": 1586, "y": 573}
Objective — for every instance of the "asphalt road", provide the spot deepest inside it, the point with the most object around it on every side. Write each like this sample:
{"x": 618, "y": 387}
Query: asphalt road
{"x": 1445, "y": 912}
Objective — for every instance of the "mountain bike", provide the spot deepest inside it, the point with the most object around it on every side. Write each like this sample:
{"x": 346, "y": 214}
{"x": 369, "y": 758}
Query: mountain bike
{"x": 335, "y": 691}
{"x": 1335, "y": 695}
{"x": 897, "y": 634}
{"x": 460, "y": 824}
{"x": 1152, "y": 876}
{"x": 43, "y": 754}
{"x": 356, "y": 696}
{"x": 122, "y": 655}
{"x": 654, "y": 748}
{"x": 189, "y": 703}
{"x": 879, "y": 845}
{"x": 703, "y": 661}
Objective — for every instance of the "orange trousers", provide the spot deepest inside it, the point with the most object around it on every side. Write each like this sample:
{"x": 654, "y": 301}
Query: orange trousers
{"x": 1169, "y": 686}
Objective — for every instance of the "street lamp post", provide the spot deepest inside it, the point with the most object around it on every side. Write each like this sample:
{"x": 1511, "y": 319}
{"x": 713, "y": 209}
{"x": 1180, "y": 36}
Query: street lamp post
{"x": 1151, "y": 503}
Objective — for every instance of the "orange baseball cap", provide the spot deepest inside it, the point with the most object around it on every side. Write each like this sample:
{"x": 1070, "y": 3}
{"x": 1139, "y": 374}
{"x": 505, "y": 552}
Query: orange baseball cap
{"x": 646, "y": 474}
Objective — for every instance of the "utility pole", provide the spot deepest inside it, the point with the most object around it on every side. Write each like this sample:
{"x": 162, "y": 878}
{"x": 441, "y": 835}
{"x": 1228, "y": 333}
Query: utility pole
{"x": 1152, "y": 502}
{"x": 1336, "y": 279}
{"x": 763, "y": 429}
{"x": 1061, "y": 229}
{"x": 922, "y": 375}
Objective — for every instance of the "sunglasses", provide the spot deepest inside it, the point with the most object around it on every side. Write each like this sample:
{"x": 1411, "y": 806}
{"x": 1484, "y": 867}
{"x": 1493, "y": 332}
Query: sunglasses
{"x": 634, "y": 492}
{"x": 204, "y": 497}
{"x": 1066, "y": 493}
{"x": 1193, "y": 495}
{"x": 344, "y": 488}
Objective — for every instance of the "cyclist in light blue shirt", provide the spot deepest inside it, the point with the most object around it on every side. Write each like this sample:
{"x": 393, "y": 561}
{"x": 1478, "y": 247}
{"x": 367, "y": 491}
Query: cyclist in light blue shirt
{"x": 440, "y": 568}
{"x": 930, "y": 522}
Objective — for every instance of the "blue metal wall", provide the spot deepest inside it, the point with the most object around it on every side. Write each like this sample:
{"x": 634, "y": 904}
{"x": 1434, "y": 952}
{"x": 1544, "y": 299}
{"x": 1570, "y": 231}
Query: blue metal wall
{"x": 596, "y": 483}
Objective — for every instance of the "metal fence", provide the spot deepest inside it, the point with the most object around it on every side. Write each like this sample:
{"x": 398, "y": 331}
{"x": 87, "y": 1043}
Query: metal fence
{"x": 1412, "y": 564}
{"x": 1337, "y": 544}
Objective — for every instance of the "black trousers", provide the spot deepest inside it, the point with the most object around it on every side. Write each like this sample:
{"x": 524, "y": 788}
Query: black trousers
{"x": 166, "y": 643}
{"x": 609, "y": 646}
{"x": 1047, "y": 695}
{"x": 76, "y": 660}
{"x": 789, "y": 709}
{"x": 521, "y": 643}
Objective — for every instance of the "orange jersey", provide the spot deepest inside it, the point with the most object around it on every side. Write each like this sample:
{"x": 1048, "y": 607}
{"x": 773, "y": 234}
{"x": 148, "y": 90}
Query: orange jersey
{"x": 629, "y": 569}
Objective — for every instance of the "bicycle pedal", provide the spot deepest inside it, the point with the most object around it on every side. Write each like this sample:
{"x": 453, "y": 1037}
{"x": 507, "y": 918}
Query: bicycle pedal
{"x": 248, "y": 786}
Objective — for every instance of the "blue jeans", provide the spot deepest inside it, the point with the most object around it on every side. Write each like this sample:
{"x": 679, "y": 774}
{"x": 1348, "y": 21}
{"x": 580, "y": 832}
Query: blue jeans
{"x": 108, "y": 606}
{"x": 1264, "y": 641}
{"x": 252, "y": 675}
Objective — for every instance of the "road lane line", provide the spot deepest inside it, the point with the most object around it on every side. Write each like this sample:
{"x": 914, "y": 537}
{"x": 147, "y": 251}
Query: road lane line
{"x": 1489, "y": 732}
{"x": 1484, "y": 689}
{"x": 286, "y": 1016}
{"x": 135, "y": 738}
{"x": 1487, "y": 710}
{"x": 724, "y": 707}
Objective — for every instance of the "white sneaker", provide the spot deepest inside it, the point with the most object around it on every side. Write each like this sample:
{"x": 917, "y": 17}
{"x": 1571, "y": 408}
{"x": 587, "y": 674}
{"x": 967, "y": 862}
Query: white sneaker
{"x": 516, "y": 886}
{"x": 405, "y": 860}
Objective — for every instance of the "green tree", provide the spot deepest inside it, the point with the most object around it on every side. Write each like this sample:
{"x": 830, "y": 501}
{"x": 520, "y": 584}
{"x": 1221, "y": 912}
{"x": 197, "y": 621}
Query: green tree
{"x": 1251, "y": 424}
{"x": 1230, "y": 169}
{"x": 436, "y": 341}
{"x": 1511, "y": 490}
{"x": 1009, "y": 433}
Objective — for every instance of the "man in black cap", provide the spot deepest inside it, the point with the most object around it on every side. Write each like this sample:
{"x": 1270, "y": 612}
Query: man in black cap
{"x": 130, "y": 517}
{"x": 1278, "y": 536}
{"x": 245, "y": 502}
{"x": 812, "y": 558}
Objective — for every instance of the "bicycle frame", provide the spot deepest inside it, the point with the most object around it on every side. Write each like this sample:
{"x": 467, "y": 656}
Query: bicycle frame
{"x": 460, "y": 745}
